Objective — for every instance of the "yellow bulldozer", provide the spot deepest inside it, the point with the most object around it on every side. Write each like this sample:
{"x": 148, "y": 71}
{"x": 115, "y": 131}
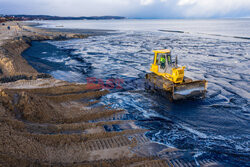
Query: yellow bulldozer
{"x": 169, "y": 79}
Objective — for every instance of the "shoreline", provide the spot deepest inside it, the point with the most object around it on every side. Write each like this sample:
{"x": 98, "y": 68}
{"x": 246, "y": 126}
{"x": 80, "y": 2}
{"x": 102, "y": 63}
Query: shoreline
{"x": 18, "y": 39}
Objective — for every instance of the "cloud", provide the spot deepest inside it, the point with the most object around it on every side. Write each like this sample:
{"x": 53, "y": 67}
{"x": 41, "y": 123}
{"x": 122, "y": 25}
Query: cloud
{"x": 195, "y": 9}
{"x": 214, "y": 8}
{"x": 146, "y": 2}
{"x": 130, "y": 8}
{"x": 186, "y": 2}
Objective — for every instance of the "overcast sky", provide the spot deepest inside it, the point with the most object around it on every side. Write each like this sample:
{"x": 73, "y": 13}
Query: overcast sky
{"x": 130, "y": 8}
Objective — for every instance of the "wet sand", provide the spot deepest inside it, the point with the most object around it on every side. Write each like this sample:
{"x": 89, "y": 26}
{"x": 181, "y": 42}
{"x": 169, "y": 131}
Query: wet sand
{"x": 49, "y": 122}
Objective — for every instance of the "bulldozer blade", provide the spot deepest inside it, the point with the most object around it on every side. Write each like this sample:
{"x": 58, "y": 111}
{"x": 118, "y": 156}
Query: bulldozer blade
{"x": 194, "y": 89}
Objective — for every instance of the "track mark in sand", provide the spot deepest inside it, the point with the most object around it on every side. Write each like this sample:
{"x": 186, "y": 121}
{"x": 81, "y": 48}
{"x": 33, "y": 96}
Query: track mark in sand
{"x": 54, "y": 122}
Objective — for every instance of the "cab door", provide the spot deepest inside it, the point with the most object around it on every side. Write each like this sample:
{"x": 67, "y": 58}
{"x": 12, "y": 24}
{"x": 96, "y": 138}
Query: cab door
{"x": 161, "y": 67}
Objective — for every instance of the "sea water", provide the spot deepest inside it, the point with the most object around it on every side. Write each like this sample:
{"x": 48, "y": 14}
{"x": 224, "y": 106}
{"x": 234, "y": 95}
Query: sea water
{"x": 215, "y": 50}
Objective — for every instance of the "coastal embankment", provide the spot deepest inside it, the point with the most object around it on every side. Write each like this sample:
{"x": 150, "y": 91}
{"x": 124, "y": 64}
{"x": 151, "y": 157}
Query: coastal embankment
{"x": 50, "y": 122}
{"x": 15, "y": 38}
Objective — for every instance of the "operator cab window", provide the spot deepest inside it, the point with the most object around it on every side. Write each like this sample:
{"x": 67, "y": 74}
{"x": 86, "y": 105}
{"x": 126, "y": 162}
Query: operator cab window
{"x": 158, "y": 59}
{"x": 169, "y": 60}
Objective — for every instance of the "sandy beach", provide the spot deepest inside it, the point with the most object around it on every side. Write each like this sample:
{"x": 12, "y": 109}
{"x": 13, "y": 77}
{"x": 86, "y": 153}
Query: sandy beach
{"x": 50, "y": 122}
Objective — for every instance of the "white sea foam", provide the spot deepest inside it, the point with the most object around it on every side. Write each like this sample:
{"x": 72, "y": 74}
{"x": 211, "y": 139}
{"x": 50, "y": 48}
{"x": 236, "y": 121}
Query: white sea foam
{"x": 193, "y": 131}
{"x": 57, "y": 60}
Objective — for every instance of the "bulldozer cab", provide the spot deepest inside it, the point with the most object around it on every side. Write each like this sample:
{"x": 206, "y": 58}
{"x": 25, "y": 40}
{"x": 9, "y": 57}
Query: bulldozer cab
{"x": 164, "y": 66}
{"x": 163, "y": 60}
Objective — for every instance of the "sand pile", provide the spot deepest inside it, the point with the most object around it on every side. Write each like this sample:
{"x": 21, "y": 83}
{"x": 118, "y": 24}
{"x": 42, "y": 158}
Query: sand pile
{"x": 52, "y": 125}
